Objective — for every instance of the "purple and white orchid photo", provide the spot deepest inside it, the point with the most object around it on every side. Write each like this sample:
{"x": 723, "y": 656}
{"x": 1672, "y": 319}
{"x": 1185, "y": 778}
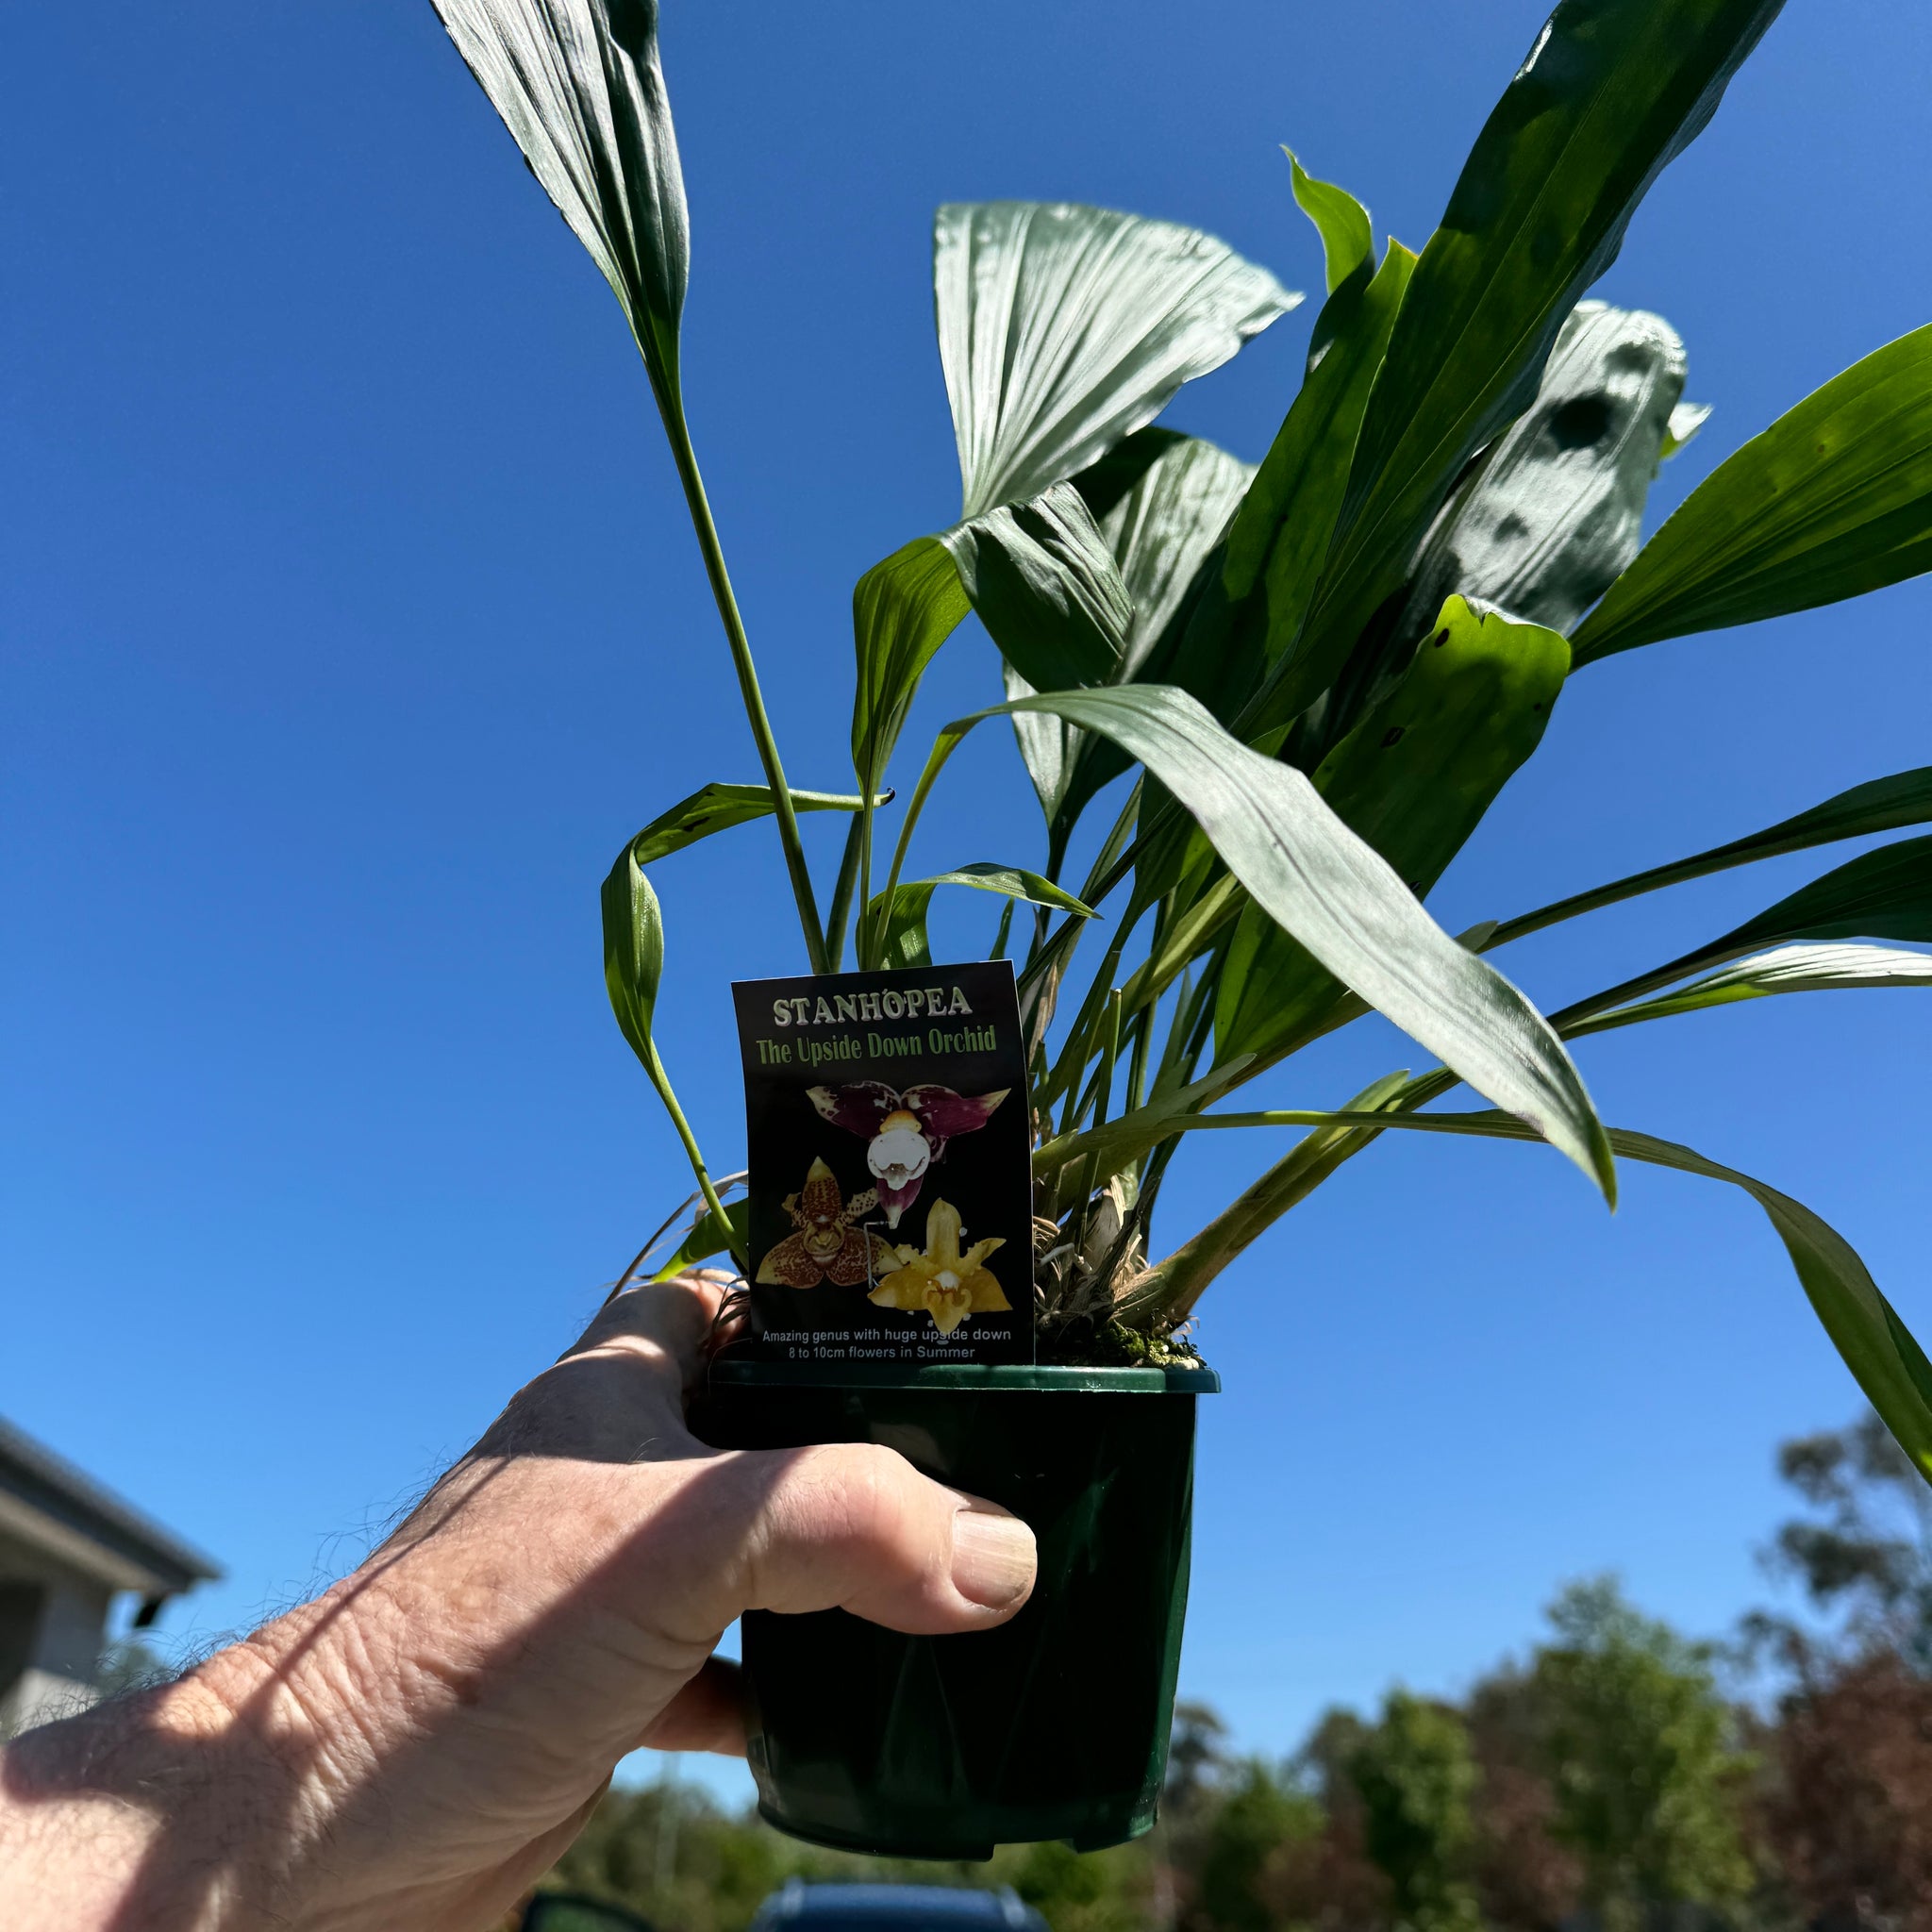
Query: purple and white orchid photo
{"x": 907, "y": 1131}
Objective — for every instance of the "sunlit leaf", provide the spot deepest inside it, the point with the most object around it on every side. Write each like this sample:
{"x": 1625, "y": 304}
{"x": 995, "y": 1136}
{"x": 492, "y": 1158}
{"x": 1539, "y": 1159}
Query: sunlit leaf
{"x": 1348, "y": 240}
{"x": 1550, "y": 519}
{"x": 1047, "y": 589}
{"x": 1785, "y": 969}
{"x": 1161, "y": 530}
{"x": 716, "y": 809}
{"x": 579, "y": 85}
{"x": 1686, "y": 419}
{"x": 1611, "y": 92}
{"x": 1833, "y": 500}
{"x": 1063, "y": 329}
{"x": 1883, "y": 804}
{"x": 1342, "y": 900}
{"x": 897, "y": 938}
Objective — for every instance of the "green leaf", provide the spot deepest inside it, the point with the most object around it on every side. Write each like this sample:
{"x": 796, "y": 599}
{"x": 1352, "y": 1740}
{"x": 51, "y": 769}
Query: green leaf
{"x": 1885, "y": 894}
{"x": 1550, "y": 519}
{"x": 1046, "y": 587}
{"x": 1341, "y": 899}
{"x": 1611, "y": 90}
{"x": 716, "y": 809}
{"x": 1340, "y": 219}
{"x": 1289, "y": 515}
{"x": 1114, "y": 1146}
{"x": 633, "y": 955}
{"x": 1414, "y": 778}
{"x": 1786, "y": 969}
{"x": 1876, "y": 1346}
{"x": 1161, "y": 530}
{"x": 1883, "y": 804}
{"x": 579, "y": 85}
{"x": 1064, "y": 329}
{"x": 1833, "y": 500}
{"x": 898, "y": 936}
{"x": 633, "y": 965}
{"x": 903, "y": 610}
{"x": 1105, "y": 482}
{"x": 710, "y": 1236}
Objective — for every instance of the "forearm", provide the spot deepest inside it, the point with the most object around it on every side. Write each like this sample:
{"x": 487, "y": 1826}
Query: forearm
{"x": 170, "y": 1809}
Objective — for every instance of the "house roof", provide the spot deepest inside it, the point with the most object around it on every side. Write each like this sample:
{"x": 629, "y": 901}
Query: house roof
{"x": 53, "y": 1508}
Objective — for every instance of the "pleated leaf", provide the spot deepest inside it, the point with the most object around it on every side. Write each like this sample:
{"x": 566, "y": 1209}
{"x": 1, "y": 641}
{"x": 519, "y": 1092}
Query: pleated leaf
{"x": 579, "y": 85}
{"x": 1063, "y": 329}
{"x": 1556, "y": 513}
{"x": 1833, "y": 500}
{"x": 1047, "y": 589}
{"x": 1161, "y": 530}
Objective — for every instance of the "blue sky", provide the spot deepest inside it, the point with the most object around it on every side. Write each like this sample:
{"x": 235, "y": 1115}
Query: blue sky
{"x": 352, "y": 623}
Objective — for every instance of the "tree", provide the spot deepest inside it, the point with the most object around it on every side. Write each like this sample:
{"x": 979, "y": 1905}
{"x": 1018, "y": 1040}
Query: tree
{"x": 1864, "y": 1554}
{"x": 1848, "y": 1807}
{"x": 1849, "y": 1810}
{"x": 1639, "y": 1747}
{"x": 1257, "y": 1826}
{"x": 1417, "y": 1778}
{"x": 1526, "y": 1879}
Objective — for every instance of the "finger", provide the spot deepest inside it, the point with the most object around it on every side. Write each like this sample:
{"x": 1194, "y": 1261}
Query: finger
{"x": 617, "y": 1395}
{"x": 707, "y": 1715}
{"x": 855, "y": 1527}
{"x": 670, "y": 1318}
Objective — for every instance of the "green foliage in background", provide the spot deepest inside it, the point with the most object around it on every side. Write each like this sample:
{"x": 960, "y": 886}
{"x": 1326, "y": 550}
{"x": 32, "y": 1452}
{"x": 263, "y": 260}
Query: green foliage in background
{"x": 1605, "y": 1781}
{"x": 1416, "y": 1776}
{"x": 1289, "y": 693}
{"x": 1642, "y": 1752}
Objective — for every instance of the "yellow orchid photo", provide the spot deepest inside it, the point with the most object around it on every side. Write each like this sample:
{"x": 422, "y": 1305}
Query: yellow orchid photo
{"x": 946, "y": 1284}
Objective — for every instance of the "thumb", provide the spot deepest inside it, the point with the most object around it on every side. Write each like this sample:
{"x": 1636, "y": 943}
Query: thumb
{"x": 855, "y": 1527}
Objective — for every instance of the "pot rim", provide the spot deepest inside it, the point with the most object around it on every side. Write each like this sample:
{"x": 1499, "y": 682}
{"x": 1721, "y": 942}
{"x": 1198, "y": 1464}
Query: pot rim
{"x": 966, "y": 1378}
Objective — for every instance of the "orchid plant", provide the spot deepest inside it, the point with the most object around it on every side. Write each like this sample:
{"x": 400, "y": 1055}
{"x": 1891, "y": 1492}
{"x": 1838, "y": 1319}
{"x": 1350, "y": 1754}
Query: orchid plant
{"x": 1297, "y": 687}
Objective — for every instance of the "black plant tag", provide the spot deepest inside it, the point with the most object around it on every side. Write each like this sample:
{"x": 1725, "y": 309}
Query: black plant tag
{"x": 890, "y": 1166}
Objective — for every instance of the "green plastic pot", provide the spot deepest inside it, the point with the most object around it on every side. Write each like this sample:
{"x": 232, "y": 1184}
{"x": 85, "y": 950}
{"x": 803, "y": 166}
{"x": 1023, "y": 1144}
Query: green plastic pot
{"x": 1054, "y": 1725}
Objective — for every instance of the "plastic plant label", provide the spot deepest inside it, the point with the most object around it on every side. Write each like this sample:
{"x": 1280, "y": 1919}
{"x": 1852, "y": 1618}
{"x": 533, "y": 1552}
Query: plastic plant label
{"x": 890, "y": 1167}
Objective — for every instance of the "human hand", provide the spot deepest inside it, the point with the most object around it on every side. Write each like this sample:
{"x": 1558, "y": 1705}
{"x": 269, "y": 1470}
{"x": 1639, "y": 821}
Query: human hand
{"x": 416, "y": 1746}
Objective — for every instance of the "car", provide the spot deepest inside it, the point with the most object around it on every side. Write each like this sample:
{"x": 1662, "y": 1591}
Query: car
{"x": 801, "y": 1908}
